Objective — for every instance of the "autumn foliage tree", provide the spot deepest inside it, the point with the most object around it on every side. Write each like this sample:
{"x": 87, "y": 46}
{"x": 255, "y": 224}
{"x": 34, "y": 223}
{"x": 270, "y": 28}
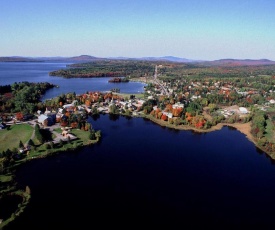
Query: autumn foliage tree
{"x": 152, "y": 113}
{"x": 188, "y": 117}
{"x": 198, "y": 121}
{"x": 159, "y": 115}
{"x": 177, "y": 112}
{"x": 157, "y": 111}
{"x": 164, "y": 117}
{"x": 169, "y": 108}
{"x": 19, "y": 116}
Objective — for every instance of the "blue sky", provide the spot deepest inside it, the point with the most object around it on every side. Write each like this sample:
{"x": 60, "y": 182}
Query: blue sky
{"x": 194, "y": 29}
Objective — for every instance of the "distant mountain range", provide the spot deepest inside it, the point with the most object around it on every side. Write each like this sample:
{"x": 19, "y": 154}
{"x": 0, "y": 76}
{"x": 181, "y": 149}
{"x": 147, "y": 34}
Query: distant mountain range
{"x": 88, "y": 58}
{"x": 18, "y": 59}
{"x": 81, "y": 58}
{"x": 168, "y": 58}
{"x": 239, "y": 62}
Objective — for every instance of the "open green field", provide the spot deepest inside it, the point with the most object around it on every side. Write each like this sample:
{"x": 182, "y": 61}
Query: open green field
{"x": 80, "y": 134}
{"x": 10, "y": 139}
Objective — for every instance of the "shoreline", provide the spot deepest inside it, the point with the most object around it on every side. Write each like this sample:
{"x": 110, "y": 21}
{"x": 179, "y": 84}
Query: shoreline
{"x": 244, "y": 128}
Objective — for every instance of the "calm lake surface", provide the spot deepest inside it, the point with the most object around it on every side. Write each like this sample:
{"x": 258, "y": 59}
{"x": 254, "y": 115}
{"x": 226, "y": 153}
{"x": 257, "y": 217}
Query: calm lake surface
{"x": 11, "y": 72}
{"x": 142, "y": 175}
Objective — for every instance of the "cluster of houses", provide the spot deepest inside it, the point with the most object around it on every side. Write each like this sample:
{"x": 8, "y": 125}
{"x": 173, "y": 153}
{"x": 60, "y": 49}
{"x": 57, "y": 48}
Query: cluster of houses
{"x": 50, "y": 116}
{"x": 191, "y": 90}
{"x": 92, "y": 100}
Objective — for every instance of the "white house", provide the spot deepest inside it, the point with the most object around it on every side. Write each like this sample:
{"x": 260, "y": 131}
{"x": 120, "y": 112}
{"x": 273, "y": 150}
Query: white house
{"x": 67, "y": 106}
{"x": 178, "y": 105}
{"x": 42, "y": 118}
{"x": 169, "y": 115}
{"x": 195, "y": 97}
{"x": 243, "y": 110}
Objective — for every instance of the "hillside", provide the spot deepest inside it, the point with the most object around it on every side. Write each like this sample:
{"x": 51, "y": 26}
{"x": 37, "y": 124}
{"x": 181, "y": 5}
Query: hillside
{"x": 239, "y": 62}
{"x": 18, "y": 59}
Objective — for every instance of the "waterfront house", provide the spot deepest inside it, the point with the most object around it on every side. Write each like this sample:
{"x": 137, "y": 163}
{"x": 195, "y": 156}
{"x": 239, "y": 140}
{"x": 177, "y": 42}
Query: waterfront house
{"x": 47, "y": 120}
{"x": 169, "y": 115}
{"x": 42, "y": 119}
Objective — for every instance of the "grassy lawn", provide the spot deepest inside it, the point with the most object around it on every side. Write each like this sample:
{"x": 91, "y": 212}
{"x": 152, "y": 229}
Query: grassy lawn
{"x": 46, "y": 149}
{"x": 10, "y": 138}
{"x": 58, "y": 130}
{"x": 42, "y": 150}
{"x": 5, "y": 178}
{"x": 82, "y": 135}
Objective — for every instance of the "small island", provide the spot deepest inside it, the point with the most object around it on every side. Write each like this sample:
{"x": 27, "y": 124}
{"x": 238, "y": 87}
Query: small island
{"x": 118, "y": 80}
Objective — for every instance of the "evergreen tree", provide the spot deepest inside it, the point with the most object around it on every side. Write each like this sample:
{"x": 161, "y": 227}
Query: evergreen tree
{"x": 21, "y": 145}
{"x": 30, "y": 142}
{"x": 98, "y": 134}
{"x": 8, "y": 153}
{"x": 38, "y": 134}
{"x": 92, "y": 135}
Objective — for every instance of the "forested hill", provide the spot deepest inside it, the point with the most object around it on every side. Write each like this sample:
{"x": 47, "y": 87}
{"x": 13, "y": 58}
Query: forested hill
{"x": 139, "y": 68}
{"x": 18, "y": 59}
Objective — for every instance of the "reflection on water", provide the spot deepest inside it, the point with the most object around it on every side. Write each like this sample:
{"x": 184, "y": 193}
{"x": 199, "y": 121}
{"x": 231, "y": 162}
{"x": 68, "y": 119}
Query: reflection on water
{"x": 113, "y": 117}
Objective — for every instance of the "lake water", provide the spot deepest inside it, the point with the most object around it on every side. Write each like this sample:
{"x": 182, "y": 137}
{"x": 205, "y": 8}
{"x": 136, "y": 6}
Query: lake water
{"x": 11, "y": 72}
{"x": 142, "y": 175}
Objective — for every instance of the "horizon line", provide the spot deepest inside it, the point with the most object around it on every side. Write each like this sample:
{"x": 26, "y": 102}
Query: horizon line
{"x": 127, "y": 57}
